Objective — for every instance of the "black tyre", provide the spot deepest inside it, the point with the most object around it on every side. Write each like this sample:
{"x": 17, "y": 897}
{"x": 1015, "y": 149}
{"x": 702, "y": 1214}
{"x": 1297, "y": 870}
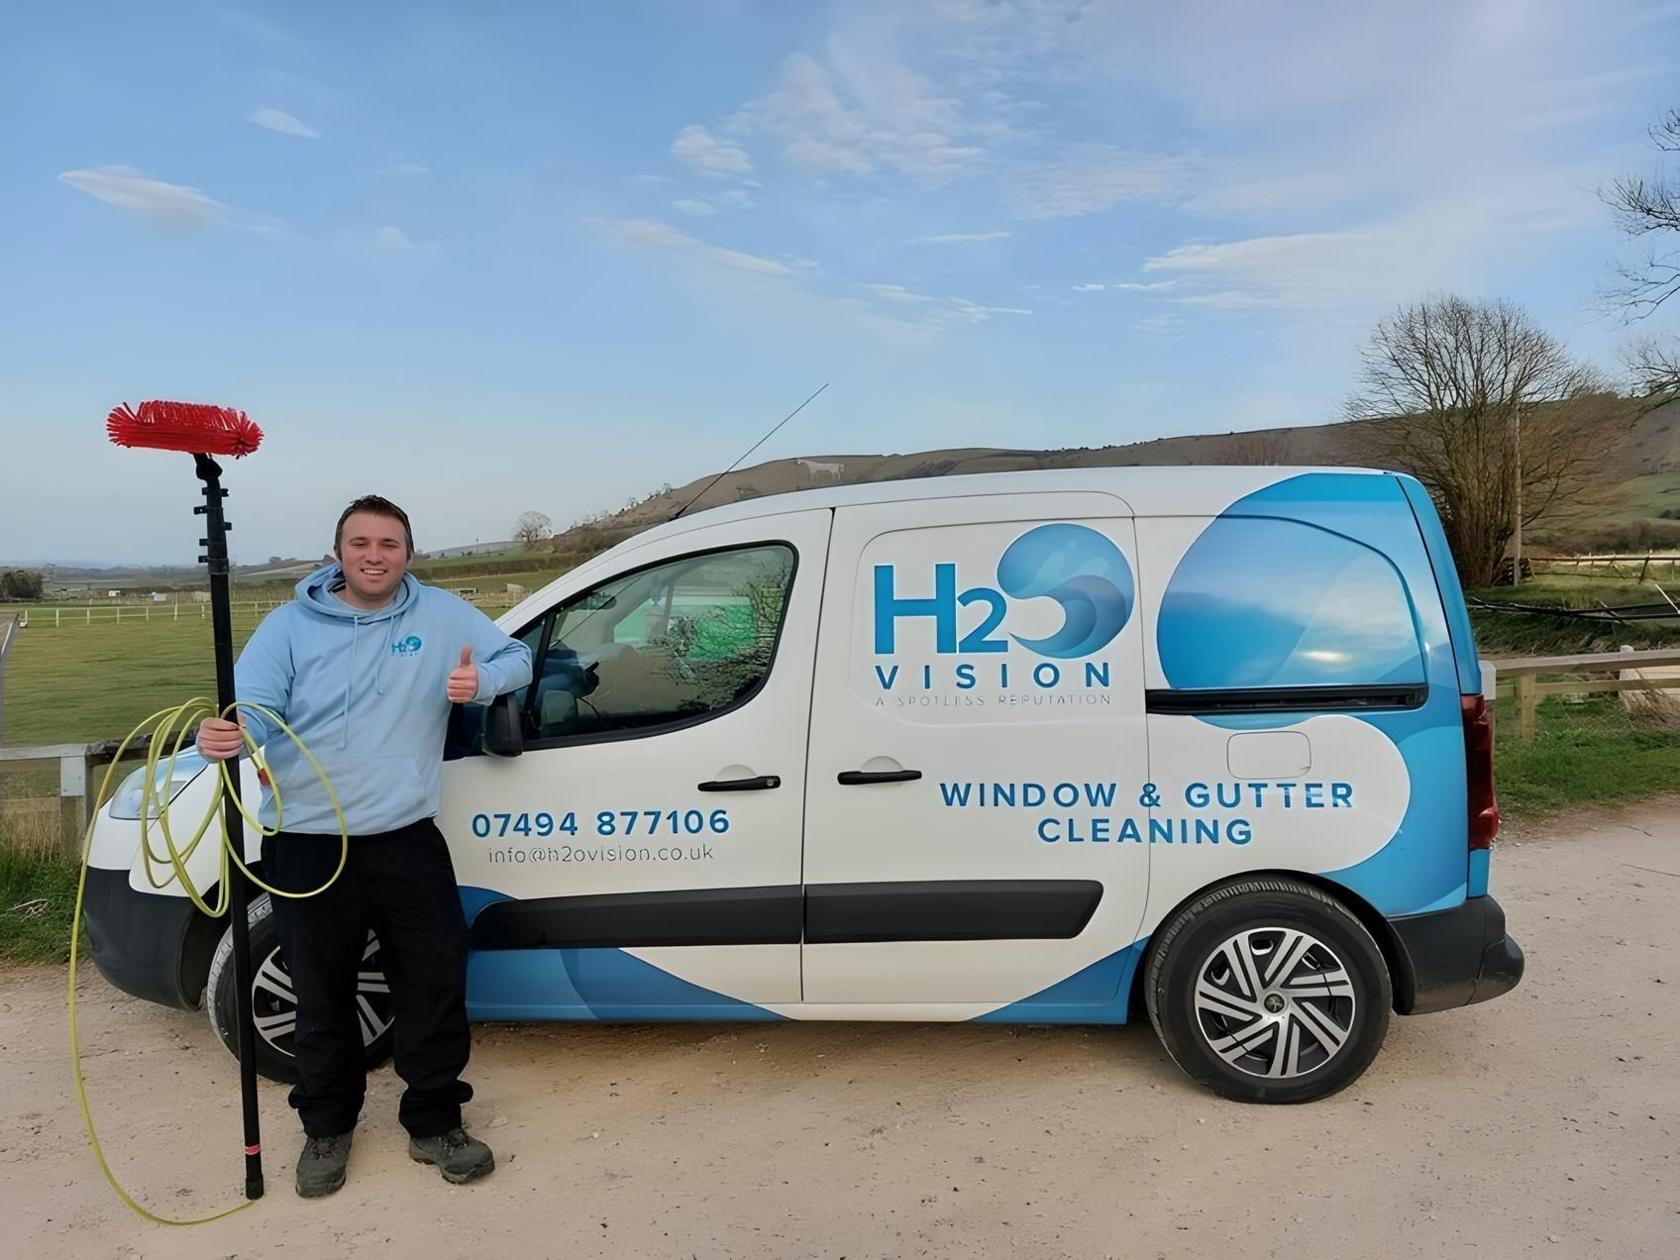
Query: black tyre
{"x": 1268, "y": 990}
{"x": 274, "y": 1006}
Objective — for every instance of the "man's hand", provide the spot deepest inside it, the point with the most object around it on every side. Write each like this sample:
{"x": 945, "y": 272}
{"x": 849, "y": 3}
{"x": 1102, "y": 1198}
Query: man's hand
{"x": 219, "y": 739}
{"x": 463, "y": 679}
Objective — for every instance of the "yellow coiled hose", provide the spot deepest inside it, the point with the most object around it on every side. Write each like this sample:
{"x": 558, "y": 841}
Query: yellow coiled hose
{"x": 173, "y": 729}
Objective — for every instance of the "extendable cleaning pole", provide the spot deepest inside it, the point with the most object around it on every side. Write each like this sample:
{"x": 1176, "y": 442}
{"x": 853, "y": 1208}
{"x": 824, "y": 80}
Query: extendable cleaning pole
{"x": 203, "y": 431}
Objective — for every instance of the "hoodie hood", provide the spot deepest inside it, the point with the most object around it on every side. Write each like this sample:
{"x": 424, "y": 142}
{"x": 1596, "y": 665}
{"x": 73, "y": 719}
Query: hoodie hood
{"x": 315, "y": 593}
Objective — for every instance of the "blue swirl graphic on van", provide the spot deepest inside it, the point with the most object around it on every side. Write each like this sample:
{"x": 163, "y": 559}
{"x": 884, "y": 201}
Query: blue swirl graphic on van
{"x": 1263, "y": 602}
{"x": 1082, "y": 571}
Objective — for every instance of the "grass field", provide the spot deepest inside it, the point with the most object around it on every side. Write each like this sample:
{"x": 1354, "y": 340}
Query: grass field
{"x": 1646, "y": 498}
{"x": 95, "y": 682}
{"x": 80, "y": 681}
{"x": 37, "y": 895}
{"x": 1586, "y": 753}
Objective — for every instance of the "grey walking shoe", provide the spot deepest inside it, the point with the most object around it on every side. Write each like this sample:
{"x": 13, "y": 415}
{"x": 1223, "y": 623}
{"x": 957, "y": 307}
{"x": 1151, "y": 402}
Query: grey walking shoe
{"x": 459, "y": 1156}
{"x": 320, "y": 1168}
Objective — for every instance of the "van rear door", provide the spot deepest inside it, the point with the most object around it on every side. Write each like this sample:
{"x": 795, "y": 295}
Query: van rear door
{"x": 977, "y": 748}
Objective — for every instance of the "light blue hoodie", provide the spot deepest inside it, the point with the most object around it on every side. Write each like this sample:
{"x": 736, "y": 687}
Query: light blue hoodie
{"x": 367, "y": 691}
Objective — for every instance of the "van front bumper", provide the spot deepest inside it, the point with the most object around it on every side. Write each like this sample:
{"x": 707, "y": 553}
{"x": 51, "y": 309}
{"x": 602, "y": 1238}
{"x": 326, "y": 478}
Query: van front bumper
{"x": 1454, "y": 957}
{"x": 153, "y": 946}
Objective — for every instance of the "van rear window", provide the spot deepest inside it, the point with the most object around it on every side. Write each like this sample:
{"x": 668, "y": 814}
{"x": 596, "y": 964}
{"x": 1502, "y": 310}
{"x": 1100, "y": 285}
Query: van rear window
{"x": 1264, "y": 602}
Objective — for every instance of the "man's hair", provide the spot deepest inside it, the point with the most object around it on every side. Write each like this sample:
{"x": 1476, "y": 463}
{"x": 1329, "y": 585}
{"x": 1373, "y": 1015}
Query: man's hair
{"x": 379, "y": 505}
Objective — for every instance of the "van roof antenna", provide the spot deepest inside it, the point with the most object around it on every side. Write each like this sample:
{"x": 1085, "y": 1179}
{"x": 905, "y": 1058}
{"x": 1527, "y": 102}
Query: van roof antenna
{"x": 761, "y": 441}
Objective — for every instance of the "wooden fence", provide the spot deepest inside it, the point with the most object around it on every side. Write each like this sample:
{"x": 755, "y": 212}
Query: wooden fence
{"x": 1574, "y": 675}
{"x": 1634, "y": 567}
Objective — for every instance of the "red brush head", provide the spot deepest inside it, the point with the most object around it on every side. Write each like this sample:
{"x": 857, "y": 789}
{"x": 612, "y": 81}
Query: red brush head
{"x": 197, "y": 428}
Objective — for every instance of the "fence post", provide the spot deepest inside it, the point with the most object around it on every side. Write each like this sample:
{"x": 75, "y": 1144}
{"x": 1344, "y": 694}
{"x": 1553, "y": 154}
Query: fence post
{"x": 72, "y": 800}
{"x": 1527, "y": 698}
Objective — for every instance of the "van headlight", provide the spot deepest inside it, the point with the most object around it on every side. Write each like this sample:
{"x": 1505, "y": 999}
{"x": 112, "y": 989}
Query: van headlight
{"x": 125, "y": 803}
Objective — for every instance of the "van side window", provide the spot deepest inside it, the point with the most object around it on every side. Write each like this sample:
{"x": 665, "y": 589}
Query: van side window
{"x": 668, "y": 644}
{"x": 1262, "y": 602}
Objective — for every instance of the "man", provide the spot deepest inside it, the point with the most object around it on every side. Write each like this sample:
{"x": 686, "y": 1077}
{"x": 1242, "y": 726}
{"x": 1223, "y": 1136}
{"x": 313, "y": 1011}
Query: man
{"x": 364, "y": 665}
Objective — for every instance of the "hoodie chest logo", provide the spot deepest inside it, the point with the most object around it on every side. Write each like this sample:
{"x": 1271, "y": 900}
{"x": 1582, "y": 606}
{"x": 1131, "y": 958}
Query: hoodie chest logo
{"x": 407, "y": 647}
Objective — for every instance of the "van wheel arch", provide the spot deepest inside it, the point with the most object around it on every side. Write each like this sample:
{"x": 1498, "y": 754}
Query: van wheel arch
{"x": 198, "y": 946}
{"x": 198, "y": 950}
{"x": 1381, "y": 930}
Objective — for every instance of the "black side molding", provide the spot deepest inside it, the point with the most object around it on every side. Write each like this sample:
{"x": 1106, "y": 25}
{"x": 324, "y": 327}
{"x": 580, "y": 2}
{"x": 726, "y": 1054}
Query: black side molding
{"x": 950, "y": 910}
{"x": 1284, "y": 699}
{"x": 819, "y": 914}
{"x": 699, "y": 916}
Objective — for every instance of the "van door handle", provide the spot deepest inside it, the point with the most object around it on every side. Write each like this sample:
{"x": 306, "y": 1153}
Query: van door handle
{"x": 758, "y": 783}
{"x": 850, "y": 778}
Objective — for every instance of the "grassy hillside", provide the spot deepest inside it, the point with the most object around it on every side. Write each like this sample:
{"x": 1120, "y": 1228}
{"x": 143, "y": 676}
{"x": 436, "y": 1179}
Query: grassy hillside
{"x": 1649, "y": 497}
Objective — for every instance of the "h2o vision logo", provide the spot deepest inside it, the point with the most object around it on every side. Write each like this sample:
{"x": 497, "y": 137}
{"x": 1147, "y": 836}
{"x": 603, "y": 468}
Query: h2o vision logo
{"x": 1079, "y": 568}
{"x": 406, "y": 647}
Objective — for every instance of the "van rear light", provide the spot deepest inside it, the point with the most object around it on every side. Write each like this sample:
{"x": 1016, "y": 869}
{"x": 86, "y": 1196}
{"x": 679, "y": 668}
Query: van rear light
{"x": 1478, "y": 771}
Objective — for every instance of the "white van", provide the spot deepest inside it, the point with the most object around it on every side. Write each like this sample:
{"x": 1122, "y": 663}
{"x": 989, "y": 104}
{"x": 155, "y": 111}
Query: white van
{"x": 1056, "y": 747}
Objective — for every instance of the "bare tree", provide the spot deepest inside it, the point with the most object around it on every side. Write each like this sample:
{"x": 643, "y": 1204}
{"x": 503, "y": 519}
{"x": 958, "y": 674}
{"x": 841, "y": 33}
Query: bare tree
{"x": 1259, "y": 446}
{"x": 1648, "y": 210}
{"x": 532, "y": 527}
{"x": 1489, "y": 412}
{"x": 1653, "y": 364}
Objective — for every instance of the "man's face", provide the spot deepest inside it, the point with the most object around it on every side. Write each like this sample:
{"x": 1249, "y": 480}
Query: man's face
{"x": 374, "y": 553}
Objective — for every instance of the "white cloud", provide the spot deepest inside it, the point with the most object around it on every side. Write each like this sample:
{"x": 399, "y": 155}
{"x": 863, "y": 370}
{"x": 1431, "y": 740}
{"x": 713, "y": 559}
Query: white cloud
{"x": 159, "y": 203}
{"x": 284, "y": 123}
{"x": 1142, "y": 286}
{"x": 405, "y": 170}
{"x": 688, "y": 205}
{"x": 939, "y": 311}
{"x": 1438, "y": 245}
{"x": 393, "y": 242}
{"x": 652, "y": 233}
{"x": 872, "y": 115}
{"x": 700, "y": 149}
{"x": 958, "y": 238}
{"x": 1089, "y": 288}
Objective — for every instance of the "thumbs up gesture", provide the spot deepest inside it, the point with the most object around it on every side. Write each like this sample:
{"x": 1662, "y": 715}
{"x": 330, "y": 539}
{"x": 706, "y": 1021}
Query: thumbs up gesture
{"x": 463, "y": 679}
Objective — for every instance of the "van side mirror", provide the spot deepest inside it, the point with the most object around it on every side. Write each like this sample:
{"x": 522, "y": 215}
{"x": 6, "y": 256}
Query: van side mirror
{"x": 502, "y": 734}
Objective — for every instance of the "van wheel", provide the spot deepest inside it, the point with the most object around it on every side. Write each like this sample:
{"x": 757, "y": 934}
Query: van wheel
{"x": 1267, "y": 990}
{"x": 274, "y": 1006}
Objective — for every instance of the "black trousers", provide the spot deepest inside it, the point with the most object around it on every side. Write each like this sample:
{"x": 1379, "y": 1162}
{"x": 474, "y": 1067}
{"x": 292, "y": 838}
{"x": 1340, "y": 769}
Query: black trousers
{"x": 401, "y": 884}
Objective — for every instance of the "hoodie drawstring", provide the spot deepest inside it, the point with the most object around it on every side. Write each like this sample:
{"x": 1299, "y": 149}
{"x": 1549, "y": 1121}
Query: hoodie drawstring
{"x": 379, "y": 665}
{"x": 350, "y": 682}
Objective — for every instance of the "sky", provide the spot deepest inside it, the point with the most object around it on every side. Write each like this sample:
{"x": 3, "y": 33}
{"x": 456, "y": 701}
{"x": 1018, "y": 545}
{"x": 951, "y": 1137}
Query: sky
{"x": 486, "y": 259}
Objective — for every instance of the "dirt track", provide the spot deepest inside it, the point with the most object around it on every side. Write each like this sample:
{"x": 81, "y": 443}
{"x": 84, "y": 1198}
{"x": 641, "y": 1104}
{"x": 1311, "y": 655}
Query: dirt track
{"x": 1547, "y": 1122}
